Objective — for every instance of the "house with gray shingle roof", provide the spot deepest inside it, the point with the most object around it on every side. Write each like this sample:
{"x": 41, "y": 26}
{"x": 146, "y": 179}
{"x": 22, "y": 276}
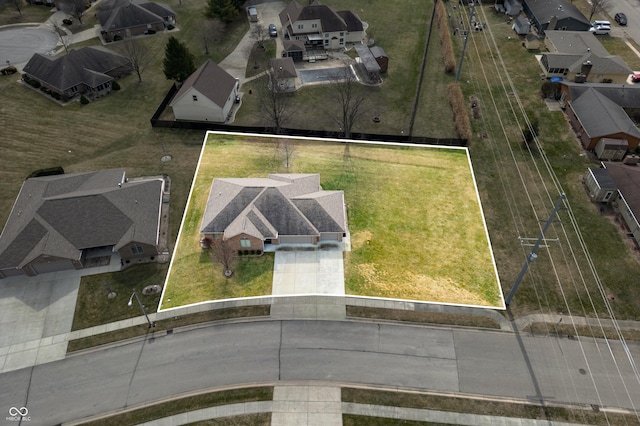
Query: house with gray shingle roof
{"x": 80, "y": 220}
{"x": 555, "y": 15}
{"x": 250, "y": 213}
{"x": 321, "y": 27}
{"x": 569, "y": 51}
{"x": 207, "y": 95}
{"x": 626, "y": 201}
{"x": 593, "y": 117}
{"x": 624, "y": 95}
{"x": 120, "y": 19}
{"x": 89, "y": 71}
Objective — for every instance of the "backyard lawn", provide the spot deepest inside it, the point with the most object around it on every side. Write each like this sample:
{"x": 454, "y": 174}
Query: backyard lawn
{"x": 416, "y": 227}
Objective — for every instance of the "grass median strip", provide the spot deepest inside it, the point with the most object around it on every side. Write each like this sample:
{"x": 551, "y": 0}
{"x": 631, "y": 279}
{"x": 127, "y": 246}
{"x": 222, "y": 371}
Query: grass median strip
{"x": 588, "y": 415}
{"x": 169, "y": 324}
{"x": 187, "y": 404}
{"x": 421, "y": 317}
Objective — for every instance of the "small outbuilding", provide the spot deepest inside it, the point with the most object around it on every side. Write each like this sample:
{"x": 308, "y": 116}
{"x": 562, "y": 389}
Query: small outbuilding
{"x": 512, "y": 7}
{"x": 367, "y": 64}
{"x": 611, "y": 149}
{"x": 521, "y": 25}
{"x": 600, "y": 186}
{"x": 285, "y": 75}
{"x": 531, "y": 42}
{"x": 381, "y": 58}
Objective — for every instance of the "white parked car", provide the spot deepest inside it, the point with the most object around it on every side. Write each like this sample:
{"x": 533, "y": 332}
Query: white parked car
{"x": 600, "y": 29}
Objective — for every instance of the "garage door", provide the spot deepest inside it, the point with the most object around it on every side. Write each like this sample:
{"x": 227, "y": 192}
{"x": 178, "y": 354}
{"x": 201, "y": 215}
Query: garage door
{"x": 296, "y": 239}
{"x": 53, "y": 266}
{"x": 12, "y": 272}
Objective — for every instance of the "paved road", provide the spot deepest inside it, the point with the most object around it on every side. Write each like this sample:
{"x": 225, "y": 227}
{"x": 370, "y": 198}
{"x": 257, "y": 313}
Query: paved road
{"x": 442, "y": 359}
{"x": 632, "y": 9}
{"x": 18, "y": 44}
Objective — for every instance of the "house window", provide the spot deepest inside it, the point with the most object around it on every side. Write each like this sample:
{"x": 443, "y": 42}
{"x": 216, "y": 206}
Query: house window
{"x": 195, "y": 98}
{"x": 136, "y": 249}
{"x": 300, "y": 26}
{"x": 314, "y": 25}
{"x": 326, "y": 42}
{"x": 326, "y": 35}
{"x": 341, "y": 34}
{"x": 245, "y": 243}
{"x": 341, "y": 41}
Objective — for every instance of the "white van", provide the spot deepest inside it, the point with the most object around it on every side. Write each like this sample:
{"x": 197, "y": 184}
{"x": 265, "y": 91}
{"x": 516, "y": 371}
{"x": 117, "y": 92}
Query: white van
{"x": 597, "y": 24}
{"x": 253, "y": 14}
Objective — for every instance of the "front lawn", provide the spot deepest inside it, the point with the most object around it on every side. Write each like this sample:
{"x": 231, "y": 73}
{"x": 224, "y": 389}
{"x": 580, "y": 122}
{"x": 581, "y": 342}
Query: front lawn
{"x": 416, "y": 227}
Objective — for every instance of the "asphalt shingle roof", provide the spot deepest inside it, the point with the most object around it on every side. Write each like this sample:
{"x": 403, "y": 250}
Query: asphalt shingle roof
{"x": 625, "y": 95}
{"x": 627, "y": 178}
{"x": 61, "y": 215}
{"x": 211, "y": 81}
{"x": 600, "y": 116}
{"x": 544, "y": 10}
{"x": 283, "y": 204}
{"x": 330, "y": 20}
{"x": 87, "y": 65}
{"x": 121, "y": 14}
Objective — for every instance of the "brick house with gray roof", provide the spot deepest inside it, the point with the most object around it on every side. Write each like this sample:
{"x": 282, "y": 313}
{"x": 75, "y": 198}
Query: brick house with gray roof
{"x": 321, "y": 27}
{"x": 79, "y": 220}
{"x": 281, "y": 209}
{"x": 120, "y": 19}
{"x": 593, "y": 116}
{"x": 87, "y": 71}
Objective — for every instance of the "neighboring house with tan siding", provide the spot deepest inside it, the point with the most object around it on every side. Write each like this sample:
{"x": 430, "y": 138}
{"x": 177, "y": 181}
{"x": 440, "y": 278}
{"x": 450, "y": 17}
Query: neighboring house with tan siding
{"x": 207, "y": 95}
{"x": 319, "y": 26}
{"x": 251, "y": 213}
{"x": 579, "y": 56}
{"x": 79, "y": 220}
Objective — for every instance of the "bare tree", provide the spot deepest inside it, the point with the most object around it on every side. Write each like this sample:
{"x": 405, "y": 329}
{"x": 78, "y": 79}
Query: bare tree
{"x": 259, "y": 33}
{"x": 138, "y": 54}
{"x": 75, "y": 8}
{"x": 285, "y": 150}
{"x": 222, "y": 253}
{"x": 277, "y": 103}
{"x": 18, "y": 5}
{"x": 598, "y": 6}
{"x": 351, "y": 97}
{"x": 212, "y": 30}
{"x": 62, "y": 35}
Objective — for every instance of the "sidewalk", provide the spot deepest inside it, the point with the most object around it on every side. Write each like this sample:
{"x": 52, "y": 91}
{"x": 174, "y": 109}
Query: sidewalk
{"x": 317, "y": 405}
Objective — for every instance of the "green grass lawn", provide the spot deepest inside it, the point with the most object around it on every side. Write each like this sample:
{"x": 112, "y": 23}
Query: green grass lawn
{"x": 415, "y": 222}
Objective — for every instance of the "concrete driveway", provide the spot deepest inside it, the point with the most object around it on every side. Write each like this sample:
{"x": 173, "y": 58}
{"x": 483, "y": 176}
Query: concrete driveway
{"x": 36, "y": 315}
{"x": 236, "y": 62}
{"x": 308, "y": 272}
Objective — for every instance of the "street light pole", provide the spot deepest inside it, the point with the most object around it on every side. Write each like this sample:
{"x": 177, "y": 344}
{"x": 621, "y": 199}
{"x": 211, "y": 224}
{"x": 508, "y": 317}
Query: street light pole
{"x": 135, "y": 293}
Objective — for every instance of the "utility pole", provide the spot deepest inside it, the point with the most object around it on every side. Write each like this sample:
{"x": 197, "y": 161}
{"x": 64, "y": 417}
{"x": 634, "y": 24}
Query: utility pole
{"x": 533, "y": 255}
{"x": 466, "y": 39}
